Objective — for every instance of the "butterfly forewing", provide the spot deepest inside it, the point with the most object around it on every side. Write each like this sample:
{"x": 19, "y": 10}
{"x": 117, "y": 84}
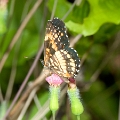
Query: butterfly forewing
{"x": 58, "y": 56}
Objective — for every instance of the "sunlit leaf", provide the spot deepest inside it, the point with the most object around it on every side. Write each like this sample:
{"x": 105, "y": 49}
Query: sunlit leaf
{"x": 101, "y": 11}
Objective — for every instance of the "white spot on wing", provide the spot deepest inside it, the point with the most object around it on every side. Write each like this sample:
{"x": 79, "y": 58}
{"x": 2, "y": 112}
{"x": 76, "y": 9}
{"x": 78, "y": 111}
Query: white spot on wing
{"x": 72, "y": 64}
{"x": 79, "y": 65}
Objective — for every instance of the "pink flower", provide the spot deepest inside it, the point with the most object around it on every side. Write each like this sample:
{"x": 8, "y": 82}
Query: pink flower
{"x": 54, "y": 80}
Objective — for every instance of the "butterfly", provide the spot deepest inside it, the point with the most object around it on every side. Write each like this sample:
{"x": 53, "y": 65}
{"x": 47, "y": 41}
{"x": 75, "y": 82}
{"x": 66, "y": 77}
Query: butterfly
{"x": 58, "y": 56}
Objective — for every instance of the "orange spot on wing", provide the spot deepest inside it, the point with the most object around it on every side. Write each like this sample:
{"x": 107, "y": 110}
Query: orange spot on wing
{"x": 54, "y": 46}
{"x": 68, "y": 75}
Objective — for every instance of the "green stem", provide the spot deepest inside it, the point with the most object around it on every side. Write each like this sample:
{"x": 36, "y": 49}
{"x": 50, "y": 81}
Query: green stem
{"x": 53, "y": 115}
{"x": 78, "y": 117}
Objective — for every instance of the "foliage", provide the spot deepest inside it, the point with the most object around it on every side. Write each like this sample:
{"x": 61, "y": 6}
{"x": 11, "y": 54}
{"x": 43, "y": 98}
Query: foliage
{"x": 98, "y": 23}
{"x": 100, "y": 12}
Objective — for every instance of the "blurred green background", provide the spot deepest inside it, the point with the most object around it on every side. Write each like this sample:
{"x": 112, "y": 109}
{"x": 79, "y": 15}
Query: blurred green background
{"x": 98, "y": 48}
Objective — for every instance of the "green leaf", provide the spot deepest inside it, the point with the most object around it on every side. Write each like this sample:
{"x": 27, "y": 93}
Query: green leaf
{"x": 80, "y": 12}
{"x": 101, "y": 11}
